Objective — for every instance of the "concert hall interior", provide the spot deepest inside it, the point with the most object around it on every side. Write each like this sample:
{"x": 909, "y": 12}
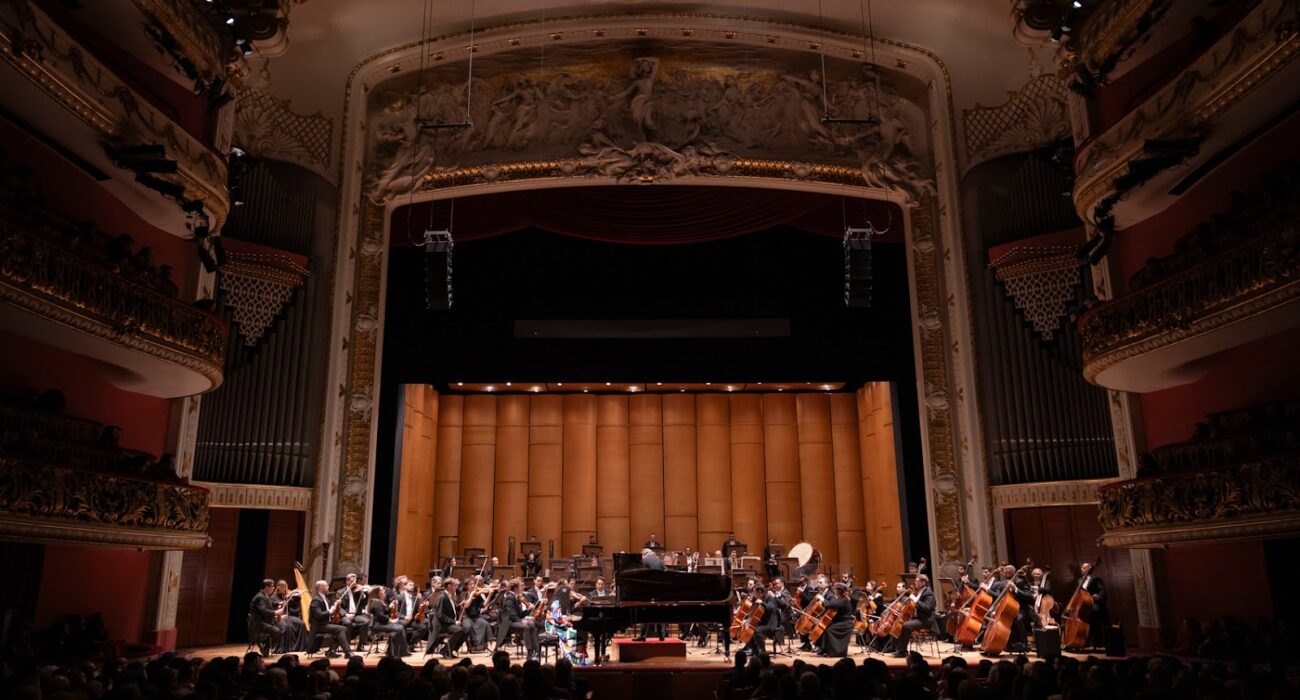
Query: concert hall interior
{"x": 582, "y": 347}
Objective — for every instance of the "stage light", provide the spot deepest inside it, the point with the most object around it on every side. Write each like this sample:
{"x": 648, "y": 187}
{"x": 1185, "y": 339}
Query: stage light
{"x": 683, "y": 391}
{"x": 230, "y": 21}
{"x": 584, "y": 391}
{"x": 559, "y": 384}
{"x": 659, "y": 383}
{"x": 608, "y": 383}
{"x": 1077, "y": 4}
{"x": 631, "y": 388}
{"x": 490, "y": 388}
{"x": 460, "y": 383}
{"x": 708, "y": 383}
{"x": 780, "y": 389}
{"x": 508, "y": 384}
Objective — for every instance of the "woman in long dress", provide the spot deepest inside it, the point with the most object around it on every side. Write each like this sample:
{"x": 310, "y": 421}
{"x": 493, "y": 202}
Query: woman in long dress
{"x": 295, "y": 629}
{"x": 558, "y": 624}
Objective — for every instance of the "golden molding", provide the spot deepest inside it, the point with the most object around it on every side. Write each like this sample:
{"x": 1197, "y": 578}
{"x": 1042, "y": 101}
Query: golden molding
{"x": 192, "y": 32}
{"x": 55, "y": 504}
{"x": 48, "y": 56}
{"x": 1251, "y": 279}
{"x": 1255, "y": 499}
{"x": 1239, "y": 63}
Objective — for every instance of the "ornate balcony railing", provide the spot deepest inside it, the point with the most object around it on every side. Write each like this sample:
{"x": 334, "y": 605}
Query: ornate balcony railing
{"x": 39, "y": 502}
{"x": 1253, "y": 499}
{"x": 45, "y": 279}
{"x": 1258, "y": 277}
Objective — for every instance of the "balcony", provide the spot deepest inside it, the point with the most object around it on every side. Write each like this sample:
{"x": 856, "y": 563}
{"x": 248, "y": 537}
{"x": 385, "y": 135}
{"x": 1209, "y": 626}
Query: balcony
{"x": 44, "y": 503}
{"x": 1154, "y": 338}
{"x": 1233, "y": 90}
{"x": 58, "y": 288}
{"x": 1246, "y": 500}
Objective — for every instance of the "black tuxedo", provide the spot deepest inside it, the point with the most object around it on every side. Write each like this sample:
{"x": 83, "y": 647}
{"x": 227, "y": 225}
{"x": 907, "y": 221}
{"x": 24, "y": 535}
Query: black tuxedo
{"x": 652, "y": 544}
{"x": 1100, "y": 619}
{"x": 320, "y": 624}
{"x": 262, "y": 620}
{"x": 926, "y": 605}
{"x": 442, "y": 620}
{"x": 382, "y": 624}
{"x": 513, "y": 620}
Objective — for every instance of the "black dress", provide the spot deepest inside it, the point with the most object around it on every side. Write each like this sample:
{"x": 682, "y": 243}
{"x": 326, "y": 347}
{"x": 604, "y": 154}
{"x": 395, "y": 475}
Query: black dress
{"x": 835, "y": 640}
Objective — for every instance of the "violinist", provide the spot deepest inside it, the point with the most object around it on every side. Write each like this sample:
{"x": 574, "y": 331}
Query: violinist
{"x": 835, "y": 640}
{"x": 1100, "y": 614}
{"x": 356, "y": 600}
{"x": 473, "y": 618}
{"x": 291, "y": 622}
{"x": 261, "y": 613}
{"x": 537, "y": 592}
{"x": 387, "y": 624}
{"x": 442, "y": 620}
{"x": 515, "y": 617}
{"x": 320, "y": 611}
{"x": 408, "y": 607}
{"x": 926, "y": 604}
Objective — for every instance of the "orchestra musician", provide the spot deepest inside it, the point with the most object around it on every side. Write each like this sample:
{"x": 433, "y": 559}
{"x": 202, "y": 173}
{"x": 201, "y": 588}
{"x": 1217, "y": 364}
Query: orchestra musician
{"x": 731, "y": 542}
{"x": 261, "y": 613}
{"x": 319, "y": 611}
{"x": 769, "y": 559}
{"x": 442, "y": 620}
{"x": 1009, "y": 583}
{"x": 926, "y": 604}
{"x": 835, "y": 640}
{"x": 1100, "y": 620}
{"x": 474, "y": 620}
{"x": 356, "y": 601}
{"x": 532, "y": 564}
{"x": 886, "y": 642}
{"x": 408, "y": 606}
{"x": 513, "y": 609}
{"x": 654, "y": 563}
{"x": 384, "y": 624}
{"x": 652, "y": 543}
{"x": 289, "y": 606}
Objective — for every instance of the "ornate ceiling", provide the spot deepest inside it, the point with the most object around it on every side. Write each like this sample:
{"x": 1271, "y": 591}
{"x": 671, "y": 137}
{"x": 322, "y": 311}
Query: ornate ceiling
{"x": 329, "y": 39}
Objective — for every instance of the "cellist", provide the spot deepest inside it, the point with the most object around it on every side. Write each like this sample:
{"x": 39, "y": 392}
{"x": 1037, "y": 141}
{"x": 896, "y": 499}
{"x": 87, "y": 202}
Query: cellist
{"x": 835, "y": 640}
{"x": 926, "y": 604}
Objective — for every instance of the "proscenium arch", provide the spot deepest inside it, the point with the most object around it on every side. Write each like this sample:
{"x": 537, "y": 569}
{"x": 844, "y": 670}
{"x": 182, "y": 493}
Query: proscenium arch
{"x": 956, "y": 483}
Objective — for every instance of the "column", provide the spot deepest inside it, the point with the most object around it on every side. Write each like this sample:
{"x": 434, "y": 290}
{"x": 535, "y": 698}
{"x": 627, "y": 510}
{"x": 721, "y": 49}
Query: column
{"x": 713, "y": 471}
{"x": 781, "y": 462}
{"x": 681, "y": 520}
{"x": 613, "y": 525}
{"x": 850, "y": 517}
{"x": 446, "y": 477}
{"x": 817, "y": 474}
{"x": 510, "y": 500}
{"x": 646, "y": 473}
{"x": 748, "y": 478}
{"x": 579, "y": 472}
{"x": 546, "y": 470}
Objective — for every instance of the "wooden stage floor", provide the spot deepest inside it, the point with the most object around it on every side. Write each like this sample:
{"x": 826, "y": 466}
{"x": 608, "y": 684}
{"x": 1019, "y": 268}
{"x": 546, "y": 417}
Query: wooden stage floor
{"x": 697, "y": 658}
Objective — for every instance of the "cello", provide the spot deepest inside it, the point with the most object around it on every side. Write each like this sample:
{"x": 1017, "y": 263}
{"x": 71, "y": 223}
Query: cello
{"x": 884, "y": 625}
{"x": 810, "y": 615}
{"x": 1078, "y": 613}
{"x": 1003, "y": 615}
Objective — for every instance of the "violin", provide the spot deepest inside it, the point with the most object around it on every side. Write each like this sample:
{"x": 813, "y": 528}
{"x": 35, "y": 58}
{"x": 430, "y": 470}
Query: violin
{"x": 1078, "y": 614}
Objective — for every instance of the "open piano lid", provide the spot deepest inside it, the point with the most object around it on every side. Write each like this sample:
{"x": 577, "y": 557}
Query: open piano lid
{"x": 647, "y": 586}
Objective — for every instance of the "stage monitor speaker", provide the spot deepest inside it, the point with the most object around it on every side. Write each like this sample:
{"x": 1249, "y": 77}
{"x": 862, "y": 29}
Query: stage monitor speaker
{"x": 1113, "y": 637}
{"x": 437, "y": 280}
{"x": 1048, "y": 642}
{"x": 857, "y": 274}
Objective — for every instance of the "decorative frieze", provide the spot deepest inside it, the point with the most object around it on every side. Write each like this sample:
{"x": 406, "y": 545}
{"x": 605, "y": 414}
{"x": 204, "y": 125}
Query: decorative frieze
{"x": 257, "y": 496}
{"x": 56, "y": 504}
{"x": 1254, "y": 499}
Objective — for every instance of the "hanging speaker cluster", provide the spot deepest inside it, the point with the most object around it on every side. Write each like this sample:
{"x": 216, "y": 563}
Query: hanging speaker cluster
{"x": 437, "y": 270}
{"x": 857, "y": 267}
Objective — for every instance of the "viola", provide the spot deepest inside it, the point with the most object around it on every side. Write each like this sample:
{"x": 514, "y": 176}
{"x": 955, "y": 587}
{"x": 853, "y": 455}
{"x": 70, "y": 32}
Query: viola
{"x": 1077, "y": 614}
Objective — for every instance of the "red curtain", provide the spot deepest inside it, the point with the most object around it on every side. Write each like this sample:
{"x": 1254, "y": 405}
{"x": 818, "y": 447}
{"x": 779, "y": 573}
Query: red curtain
{"x": 645, "y": 215}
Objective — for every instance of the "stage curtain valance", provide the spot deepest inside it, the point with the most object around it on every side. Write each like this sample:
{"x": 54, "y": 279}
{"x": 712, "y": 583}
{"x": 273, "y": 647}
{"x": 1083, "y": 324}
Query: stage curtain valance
{"x": 644, "y": 215}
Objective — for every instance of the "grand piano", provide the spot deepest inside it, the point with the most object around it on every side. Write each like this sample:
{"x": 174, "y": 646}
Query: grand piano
{"x": 645, "y": 596}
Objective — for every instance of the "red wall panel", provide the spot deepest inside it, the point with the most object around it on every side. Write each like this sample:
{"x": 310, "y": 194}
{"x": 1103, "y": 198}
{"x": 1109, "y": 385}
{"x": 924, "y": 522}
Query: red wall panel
{"x": 120, "y": 579}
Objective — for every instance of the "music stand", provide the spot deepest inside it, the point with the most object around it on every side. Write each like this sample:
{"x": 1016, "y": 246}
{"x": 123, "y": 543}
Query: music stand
{"x": 739, "y": 548}
{"x": 593, "y": 551}
{"x": 775, "y": 550}
{"x": 463, "y": 572}
{"x": 472, "y": 552}
{"x": 787, "y": 566}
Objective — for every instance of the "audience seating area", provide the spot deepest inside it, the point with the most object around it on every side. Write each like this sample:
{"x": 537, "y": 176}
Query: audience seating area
{"x": 1230, "y": 437}
{"x": 34, "y": 428}
{"x": 21, "y": 205}
{"x": 1261, "y": 211}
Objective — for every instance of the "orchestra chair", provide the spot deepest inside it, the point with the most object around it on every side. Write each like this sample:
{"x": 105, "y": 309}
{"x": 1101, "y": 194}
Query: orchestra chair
{"x": 314, "y": 641}
{"x": 922, "y": 637}
{"x": 262, "y": 640}
{"x": 375, "y": 638}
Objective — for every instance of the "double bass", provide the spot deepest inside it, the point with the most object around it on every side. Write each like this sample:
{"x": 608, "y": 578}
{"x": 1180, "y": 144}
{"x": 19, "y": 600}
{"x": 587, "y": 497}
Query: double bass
{"x": 970, "y": 620}
{"x": 1002, "y": 617}
{"x": 1078, "y": 613}
{"x": 964, "y": 595}
{"x": 1046, "y": 605}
